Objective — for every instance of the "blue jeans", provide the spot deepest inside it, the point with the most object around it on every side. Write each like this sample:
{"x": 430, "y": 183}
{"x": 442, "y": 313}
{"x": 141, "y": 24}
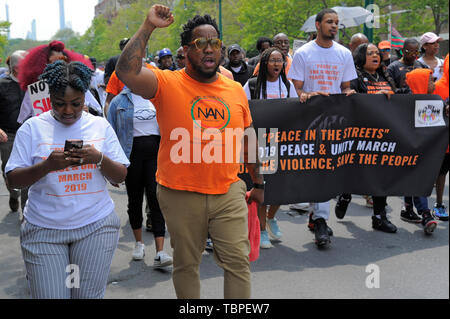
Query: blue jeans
{"x": 420, "y": 202}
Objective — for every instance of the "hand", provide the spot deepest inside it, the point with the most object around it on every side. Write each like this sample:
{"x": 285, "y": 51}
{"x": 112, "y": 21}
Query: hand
{"x": 256, "y": 195}
{"x": 58, "y": 160}
{"x": 86, "y": 155}
{"x": 3, "y": 136}
{"x": 159, "y": 16}
{"x": 385, "y": 92}
{"x": 306, "y": 96}
{"x": 349, "y": 92}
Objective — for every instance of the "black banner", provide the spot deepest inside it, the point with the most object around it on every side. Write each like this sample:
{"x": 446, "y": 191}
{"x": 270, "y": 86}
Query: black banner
{"x": 361, "y": 144}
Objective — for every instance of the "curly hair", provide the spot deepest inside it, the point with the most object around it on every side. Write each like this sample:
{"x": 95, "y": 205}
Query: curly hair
{"x": 186, "y": 35}
{"x": 61, "y": 74}
{"x": 34, "y": 63}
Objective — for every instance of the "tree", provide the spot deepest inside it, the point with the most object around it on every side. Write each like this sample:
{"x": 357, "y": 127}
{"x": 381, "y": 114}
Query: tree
{"x": 4, "y": 28}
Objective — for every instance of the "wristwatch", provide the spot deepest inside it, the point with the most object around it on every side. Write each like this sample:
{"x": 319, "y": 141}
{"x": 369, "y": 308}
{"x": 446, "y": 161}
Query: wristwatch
{"x": 259, "y": 186}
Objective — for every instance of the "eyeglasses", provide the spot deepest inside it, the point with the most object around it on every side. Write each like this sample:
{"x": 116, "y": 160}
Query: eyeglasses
{"x": 282, "y": 42}
{"x": 180, "y": 57}
{"x": 202, "y": 43}
{"x": 370, "y": 53}
{"x": 273, "y": 61}
{"x": 412, "y": 52}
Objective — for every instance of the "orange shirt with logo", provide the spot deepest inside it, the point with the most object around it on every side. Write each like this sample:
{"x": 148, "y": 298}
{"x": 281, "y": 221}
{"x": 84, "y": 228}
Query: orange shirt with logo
{"x": 191, "y": 159}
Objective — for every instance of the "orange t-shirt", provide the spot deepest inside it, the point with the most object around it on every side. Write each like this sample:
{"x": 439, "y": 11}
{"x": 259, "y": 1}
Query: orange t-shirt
{"x": 226, "y": 72}
{"x": 115, "y": 86}
{"x": 288, "y": 65}
{"x": 189, "y": 159}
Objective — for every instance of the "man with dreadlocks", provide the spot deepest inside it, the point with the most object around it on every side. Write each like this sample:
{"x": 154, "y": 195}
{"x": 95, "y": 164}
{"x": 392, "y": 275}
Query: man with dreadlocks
{"x": 34, "y": 64}
{"x": 69, "y": 220}
{"x": 197, "y": 195}
{"x": 271, "y": 83}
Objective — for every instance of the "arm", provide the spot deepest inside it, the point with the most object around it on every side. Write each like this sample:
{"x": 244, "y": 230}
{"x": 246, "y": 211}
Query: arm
{"x": 256, "y": 194}
{"x": 3, "y": 136}
{"x": 27, "y": 176}
{"x": 114, "y": 171}
{"x": 129, "y": 69}
{"x": 109, "y": 98}
{"x": 304, "y": 96}
{"x": 346, "y": 89}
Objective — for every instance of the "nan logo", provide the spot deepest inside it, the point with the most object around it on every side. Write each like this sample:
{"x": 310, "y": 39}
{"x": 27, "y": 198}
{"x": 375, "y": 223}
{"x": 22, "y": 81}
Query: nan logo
{"x": 211, "y": 112}
{"x": 429, "y": 113}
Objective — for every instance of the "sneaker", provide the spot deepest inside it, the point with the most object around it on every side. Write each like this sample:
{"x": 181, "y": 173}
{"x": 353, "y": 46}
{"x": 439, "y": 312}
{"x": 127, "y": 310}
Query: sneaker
{"x": 311, "y": 225}
{"x": 408, "y": 215}
{"x": 162, "y": 259}
{"x": 148, "y": 225}
{"x": 14, "y": 204}
{"x": 209, "y": 244}
{"x": 440, "y": 212}
{"x": 138, "y": 252}
{"x": 321, "y": 232}
{"x": 273, "y": 229}
{"x": 383, "y": 224}
{"x": 299, "y": 206}
{"x": 341, "y": 206}
{"x": 369, "y": 201}
{"x": 428, "y": 223}
{"x": 265, "y": 242}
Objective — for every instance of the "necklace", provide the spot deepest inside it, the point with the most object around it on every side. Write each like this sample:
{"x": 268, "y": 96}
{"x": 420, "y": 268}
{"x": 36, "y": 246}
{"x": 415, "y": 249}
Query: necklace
{"x": 375, "y": 77}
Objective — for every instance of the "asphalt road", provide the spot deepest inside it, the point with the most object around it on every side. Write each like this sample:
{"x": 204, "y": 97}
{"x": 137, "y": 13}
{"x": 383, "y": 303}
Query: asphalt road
{"x": 410, "y": 264}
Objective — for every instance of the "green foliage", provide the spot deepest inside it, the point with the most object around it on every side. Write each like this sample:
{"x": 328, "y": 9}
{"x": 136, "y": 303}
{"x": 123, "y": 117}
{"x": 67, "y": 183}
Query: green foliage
{"x": 4, "y": 28}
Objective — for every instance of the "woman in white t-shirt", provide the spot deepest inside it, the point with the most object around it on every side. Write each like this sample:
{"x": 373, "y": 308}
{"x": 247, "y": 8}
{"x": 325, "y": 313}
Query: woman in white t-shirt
{"x": 271, "y": 83}
{"x": 430, "y": 48}
{"x": 70, "y": 230}
{"x": 134, "y": 120}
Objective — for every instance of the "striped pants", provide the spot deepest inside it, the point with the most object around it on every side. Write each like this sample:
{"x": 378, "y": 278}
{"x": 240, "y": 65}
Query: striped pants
{"x": 75, "y": 263}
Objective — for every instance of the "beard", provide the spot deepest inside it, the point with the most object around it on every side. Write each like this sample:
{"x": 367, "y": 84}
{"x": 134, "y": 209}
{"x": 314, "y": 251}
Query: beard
{"x": 202, "y": 73}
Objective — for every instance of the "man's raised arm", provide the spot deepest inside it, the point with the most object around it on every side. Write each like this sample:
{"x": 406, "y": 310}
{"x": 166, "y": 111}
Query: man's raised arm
{"x": 129, "y": 70}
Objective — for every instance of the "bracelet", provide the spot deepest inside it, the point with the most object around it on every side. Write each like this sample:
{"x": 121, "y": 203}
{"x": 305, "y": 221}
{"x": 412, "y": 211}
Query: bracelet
{"x": 99, "y": 164}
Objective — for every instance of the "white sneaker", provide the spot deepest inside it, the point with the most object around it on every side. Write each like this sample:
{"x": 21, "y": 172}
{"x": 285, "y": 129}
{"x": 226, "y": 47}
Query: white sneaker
{"x": 138, "y": 252}
{"x": 162, "y": 259}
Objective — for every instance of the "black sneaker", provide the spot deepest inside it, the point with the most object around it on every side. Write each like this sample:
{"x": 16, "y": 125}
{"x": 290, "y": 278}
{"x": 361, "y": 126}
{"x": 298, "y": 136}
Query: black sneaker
{"x": 321, "y": 232}
{"x": 428, "y": 223}
{"x": 341, "y": 206}
{"x": 311, "y": 225}
{"x": 14, "y": 204}
{"x": 383, "y": 224}
{"x": 408, "y": 215}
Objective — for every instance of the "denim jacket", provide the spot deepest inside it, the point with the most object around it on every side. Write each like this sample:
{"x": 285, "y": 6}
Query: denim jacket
{"x": 120, "y": 116}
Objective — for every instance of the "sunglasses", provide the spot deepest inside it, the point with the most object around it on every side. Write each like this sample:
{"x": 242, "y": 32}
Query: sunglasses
{"x": 202, "y": 43}
{"x": 412, "y": 52}
{"x": 385, "y": 50}
{"x": 180, "y": 57}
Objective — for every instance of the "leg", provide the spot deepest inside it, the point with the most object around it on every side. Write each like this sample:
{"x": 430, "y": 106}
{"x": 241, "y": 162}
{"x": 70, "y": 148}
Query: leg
{"x": 273, "y": 229}
{"x": 187, "y": 223}
{"x": 93, "y": 254}
{"x": 5, "y": 152}
{"x": 228, "y": 226}
{"x": 264, "y": 239}
{"x": 379, "y": 218}
{"x": 46, "y": 260}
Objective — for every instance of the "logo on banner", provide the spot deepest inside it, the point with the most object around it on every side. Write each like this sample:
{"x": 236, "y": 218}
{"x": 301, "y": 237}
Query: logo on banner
{"x": 210, "y": 113}
{"x": 40, "y": 97}
{"x": 429, "y": 113}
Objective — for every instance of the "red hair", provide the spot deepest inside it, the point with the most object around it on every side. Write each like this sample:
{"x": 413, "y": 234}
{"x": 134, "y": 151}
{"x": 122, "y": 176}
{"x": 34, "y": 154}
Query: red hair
{"x": 32, "y": 66}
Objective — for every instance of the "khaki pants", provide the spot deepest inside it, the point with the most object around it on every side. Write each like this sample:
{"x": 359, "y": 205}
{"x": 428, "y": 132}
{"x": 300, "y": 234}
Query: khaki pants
{"x": 189, "y": 217}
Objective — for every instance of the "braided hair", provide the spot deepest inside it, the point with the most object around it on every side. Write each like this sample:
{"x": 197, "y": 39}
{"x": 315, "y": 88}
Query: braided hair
{"x": 61, "y": 74}
{"x": 261, "y": 82}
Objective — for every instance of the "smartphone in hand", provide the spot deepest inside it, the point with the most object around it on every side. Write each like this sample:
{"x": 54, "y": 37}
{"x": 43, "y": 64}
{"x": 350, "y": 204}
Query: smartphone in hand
{"x": 70, "y": 144}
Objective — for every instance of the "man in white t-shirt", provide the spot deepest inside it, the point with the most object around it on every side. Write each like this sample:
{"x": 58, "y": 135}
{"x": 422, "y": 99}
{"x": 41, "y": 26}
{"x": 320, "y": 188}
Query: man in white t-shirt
{"x": 322, "y": 67}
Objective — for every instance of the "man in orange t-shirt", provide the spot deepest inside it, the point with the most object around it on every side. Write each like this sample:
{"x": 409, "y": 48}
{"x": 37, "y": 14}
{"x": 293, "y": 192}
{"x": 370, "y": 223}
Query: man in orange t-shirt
{"x": 198, "y": 110}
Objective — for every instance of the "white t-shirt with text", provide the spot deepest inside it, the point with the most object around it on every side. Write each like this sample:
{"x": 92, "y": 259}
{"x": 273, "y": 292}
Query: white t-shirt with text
{"x": 322, "y": 69}
{"x": 76, "y": 196}
{"x": 274, "y": 90}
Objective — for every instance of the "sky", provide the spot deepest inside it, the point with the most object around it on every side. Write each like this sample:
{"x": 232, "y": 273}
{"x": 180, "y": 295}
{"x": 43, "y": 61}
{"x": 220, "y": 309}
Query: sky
{"x": 80, "y": 13}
